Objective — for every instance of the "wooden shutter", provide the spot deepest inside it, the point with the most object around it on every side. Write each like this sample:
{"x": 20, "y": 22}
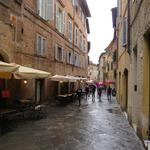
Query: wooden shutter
{"x": 38, "y": 6}
{"x": 67, "y": 56}
{"x": 39, "y": 44}
{"x": 43, "y": 9}
{"x": 44, "y": 46}
{"x": 78, "y": 61}
{"x": 57, "y": 17}
{"x": 56, "y": 52}
{"x": 70, "y": 28}
{"x": 125, "y": 31}
{"x": 49, "y": 9}
{"x": 72, "y": 58}
{"x": 63, "y": 55}
{"x": 64, "y": 23}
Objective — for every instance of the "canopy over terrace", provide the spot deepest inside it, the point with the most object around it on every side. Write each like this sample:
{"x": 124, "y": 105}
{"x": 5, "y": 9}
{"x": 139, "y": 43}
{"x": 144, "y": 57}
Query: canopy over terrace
{"x": 60, "y": 78}
{"x": 7, "y": 69}
{"x": 67, "y": 78}
{"x": 20, "y": 72}
{"x": 30, "y": 73}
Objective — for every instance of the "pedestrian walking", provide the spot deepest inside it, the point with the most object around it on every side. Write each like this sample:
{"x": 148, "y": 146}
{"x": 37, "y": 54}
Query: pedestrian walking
{"x": 113, "y": 92}
{"x": 87, "y": 90}
{"x": 79, "y": 95}
{"x": 109, "y": 90}
{"x": 99, "y": 91}
{"x": 93, "y": 89}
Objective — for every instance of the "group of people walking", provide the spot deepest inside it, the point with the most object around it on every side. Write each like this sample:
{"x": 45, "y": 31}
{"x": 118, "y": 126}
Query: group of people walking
{"x": 91, "y": 89}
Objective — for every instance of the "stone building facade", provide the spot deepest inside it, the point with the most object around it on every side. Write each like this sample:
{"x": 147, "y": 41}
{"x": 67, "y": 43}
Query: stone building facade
{"x": 123, "y": 57}
{"x": 109, "y": 74}
{"x": 50, "y": 35}
{"x": 133, "y": 75}
{"x": 140, "y": 54}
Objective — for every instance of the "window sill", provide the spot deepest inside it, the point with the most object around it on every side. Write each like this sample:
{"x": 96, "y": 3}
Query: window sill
{"x": 41, "y": 56}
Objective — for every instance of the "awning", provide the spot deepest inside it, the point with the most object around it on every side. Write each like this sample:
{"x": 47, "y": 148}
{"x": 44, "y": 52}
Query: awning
{"x": 60, "y": 78}
{"x": 90, "y": 81}
{"x": 7, "y": 69}
{"x": 67, "y": 78}
{"x": 109, "y": 82}
{"x": 30, "y": 73}
{"x": 72, "y": 78}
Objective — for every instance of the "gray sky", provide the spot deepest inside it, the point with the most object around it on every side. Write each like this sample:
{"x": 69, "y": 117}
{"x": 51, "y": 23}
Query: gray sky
{"x": 101, "y": 30}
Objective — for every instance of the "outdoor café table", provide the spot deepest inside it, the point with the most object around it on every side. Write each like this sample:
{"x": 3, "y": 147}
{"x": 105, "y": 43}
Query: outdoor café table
{"x": 64, "y": 98}
{"x": 6, "y": 111}
{"x": 25, "y": 102}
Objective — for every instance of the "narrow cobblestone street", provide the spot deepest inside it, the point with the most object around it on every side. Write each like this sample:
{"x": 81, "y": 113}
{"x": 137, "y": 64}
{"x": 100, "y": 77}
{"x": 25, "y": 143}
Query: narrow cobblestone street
{"x": 93, "y": 126}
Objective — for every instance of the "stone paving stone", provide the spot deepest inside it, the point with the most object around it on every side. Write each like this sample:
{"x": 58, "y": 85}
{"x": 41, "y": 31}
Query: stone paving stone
{"x": 93, "y": 126}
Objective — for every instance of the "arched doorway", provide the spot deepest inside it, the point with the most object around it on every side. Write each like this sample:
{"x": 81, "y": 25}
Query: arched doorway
{"x": 1, "y": 58}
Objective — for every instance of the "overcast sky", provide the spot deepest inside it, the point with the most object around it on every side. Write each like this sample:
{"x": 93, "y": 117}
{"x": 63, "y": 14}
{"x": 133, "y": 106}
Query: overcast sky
{"x": 101, "y": 30}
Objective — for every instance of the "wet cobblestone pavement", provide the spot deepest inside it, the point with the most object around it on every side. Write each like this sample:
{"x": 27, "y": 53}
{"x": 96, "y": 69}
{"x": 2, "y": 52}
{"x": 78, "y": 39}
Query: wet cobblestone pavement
{"x": 93, "y": 126}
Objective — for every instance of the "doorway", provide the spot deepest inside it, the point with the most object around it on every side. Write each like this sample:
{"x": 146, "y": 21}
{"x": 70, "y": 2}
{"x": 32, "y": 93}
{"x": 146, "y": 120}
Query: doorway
{"x": 38, "y": 90}
{"x": 126, "y": 89}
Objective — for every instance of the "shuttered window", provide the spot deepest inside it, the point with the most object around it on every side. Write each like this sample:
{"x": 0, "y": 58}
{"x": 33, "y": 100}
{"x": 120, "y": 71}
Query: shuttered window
{"x": 81, "y": 42}
{"x": 84, "y": 46}
{"x": 70, "y": 58}
{"x": 125, "y": 32}
{"x": 41, "y": 45}
{"x": 70, "y": 29}
{"x": 60, "y": 19}
{"x": 75, "y": 60}
{"x": 45, "y": 9}
{"x": 76, "y": 35}
{"x": 60, "y": 54}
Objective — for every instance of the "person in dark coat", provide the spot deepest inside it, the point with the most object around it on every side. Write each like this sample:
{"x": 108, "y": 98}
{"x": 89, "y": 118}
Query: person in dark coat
{"x": 99, "y": 91}
{"x": 87, "y": 90}
{"x": 93, "y": 89}
{"x": 109, "y": 93}
{"x": 79, "y": 94}
{"x": 113, "y": 92}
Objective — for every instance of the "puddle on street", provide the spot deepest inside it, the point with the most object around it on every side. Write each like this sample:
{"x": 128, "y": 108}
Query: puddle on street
{"x": 115, "y": 111}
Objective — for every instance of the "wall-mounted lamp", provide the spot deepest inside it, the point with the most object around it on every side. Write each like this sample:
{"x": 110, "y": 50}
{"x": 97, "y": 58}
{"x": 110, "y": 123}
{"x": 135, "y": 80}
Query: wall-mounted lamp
{"x": 25, "y": 81}
{"x": 60, "y": 81}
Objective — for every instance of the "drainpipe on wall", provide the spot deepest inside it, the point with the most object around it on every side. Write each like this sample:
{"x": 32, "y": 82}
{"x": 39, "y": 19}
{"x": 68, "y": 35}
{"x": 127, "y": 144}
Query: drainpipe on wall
{"x": 149, "y": 93}
{"x": 129, "y": 51}
{"x": 74, "y": 9}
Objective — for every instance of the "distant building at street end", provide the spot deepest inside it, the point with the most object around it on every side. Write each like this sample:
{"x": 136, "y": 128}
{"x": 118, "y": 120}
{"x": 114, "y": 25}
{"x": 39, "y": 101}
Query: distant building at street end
{"x": 107, "y": 70}
{"x": 110, "y": 76}
{"x": 92, "y": 71}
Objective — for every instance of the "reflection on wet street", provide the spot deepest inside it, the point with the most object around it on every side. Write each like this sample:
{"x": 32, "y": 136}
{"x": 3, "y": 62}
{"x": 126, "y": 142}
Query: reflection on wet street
{"x": 93, "y": 126}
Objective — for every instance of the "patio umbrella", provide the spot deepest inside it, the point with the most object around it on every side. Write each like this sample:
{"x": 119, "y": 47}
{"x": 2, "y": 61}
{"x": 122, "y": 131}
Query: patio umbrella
{"x": 30, "y": 73}
{"x": 72, "y": 78}
{"x": 6, "y": 70}
{"x": 59, "y": 78}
